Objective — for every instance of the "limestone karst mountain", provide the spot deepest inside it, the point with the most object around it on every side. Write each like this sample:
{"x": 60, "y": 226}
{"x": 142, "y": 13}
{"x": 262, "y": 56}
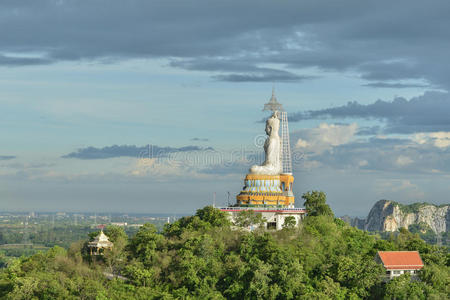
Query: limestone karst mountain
{"x": 390, "y": 216}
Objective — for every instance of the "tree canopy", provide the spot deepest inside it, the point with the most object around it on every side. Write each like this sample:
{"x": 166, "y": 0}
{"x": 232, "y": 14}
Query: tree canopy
{"x": 315, "y": 204}
{"x": 205, "y": 257}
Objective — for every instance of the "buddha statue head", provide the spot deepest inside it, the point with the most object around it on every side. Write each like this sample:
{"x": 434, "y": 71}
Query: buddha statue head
{"x": 273, "y": 125}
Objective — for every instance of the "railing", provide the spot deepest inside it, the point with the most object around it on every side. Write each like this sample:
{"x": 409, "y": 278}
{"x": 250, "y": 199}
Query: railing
{"x": 293, "y": 209}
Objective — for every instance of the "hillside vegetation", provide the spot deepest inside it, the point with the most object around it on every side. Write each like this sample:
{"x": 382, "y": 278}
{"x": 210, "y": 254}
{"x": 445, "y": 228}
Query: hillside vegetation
{"x": 203, "y": 257}
{"x": 414, "y": 207}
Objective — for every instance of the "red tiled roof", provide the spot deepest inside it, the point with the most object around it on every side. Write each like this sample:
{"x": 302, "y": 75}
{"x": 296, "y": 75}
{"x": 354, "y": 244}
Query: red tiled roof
{"x": 403, "y": 260}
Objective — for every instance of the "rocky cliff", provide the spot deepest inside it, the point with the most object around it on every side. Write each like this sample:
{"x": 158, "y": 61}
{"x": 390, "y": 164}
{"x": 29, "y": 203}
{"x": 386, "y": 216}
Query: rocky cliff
{"x": 388, "y": 215}
{"x": 354, "y": 221}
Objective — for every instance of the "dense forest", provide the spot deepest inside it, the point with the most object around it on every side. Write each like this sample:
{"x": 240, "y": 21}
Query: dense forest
{"x": 206, "y": 257}
{"x": 25, "y": 234}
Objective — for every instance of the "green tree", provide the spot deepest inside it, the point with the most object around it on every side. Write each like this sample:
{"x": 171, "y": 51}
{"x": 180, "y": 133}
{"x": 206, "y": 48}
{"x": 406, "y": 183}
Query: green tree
{"x": 315, "y": 204}
{"x": 289, "y": 222}
{"x": 358, "y": 274}
{"x": 246, "y": 218}
{"x": 436, "y": 276}
{"x": 213, "y": 216}
{"x": 138, "y": 274}
{"x": 115, "y": 257}
{"x": 146, "y": 245}
{"x": 401, "y": 287}
{"x": 116, "y": 234}
{"x": 3, "y": 260}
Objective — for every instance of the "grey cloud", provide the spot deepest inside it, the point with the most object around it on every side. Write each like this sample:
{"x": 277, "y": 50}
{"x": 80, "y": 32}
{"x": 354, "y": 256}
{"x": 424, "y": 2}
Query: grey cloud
{"x": 426, "y": 113}
{"x": 390, "y": 71}
{"x": 149, "y": 151}
{"x": 369, "y": 130}
{"x": 262, "y": 77}
{"x": 22, "y": 166}
{"x": 196, "y": 139}
{"x": 387, "y": 155}
{"x": 380, "y": 41}
{"x": 247, "y": 72}
{"x": 211, "y": 64}
{"x": 395, "y": 85}
{"x": 6, "y": 157}
{"x": 22, "y": 61}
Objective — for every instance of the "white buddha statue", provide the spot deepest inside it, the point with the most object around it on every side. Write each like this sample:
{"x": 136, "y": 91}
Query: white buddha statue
{"x": 272, "y": 164}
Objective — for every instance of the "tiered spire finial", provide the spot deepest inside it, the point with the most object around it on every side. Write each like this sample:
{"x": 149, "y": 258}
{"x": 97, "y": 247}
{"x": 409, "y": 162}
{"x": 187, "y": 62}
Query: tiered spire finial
{"x": 273, "y": 103}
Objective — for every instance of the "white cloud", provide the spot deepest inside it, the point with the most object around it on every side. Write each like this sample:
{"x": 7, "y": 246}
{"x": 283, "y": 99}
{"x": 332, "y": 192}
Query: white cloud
{"x": 363, "y": 163}
{"x": 324, "y": 137}
{"x": 439, "y": 139}
{"x": 160, "y": 169}
{"x": 309, "y": 165}
{"x": 301, "y": 144}
{"x": 396, "y": 188}
{"x": 403, "y": 161}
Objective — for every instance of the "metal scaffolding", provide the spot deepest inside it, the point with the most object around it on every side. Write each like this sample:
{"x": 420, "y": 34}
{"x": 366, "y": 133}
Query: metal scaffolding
{"x": 285, "y": 145}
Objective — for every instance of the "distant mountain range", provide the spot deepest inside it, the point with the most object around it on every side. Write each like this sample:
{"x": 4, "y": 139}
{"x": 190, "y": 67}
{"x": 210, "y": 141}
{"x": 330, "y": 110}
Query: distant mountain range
{"x": 390, "y": 216}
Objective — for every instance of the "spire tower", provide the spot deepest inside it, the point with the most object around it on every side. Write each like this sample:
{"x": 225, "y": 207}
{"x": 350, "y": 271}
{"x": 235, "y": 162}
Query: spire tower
{"x": 285, "y": 145}
{"x": 273, "y": 104}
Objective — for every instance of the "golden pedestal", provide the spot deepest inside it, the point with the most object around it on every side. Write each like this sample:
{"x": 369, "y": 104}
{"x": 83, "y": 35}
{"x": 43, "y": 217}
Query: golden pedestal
{"x": 272, "y": 190}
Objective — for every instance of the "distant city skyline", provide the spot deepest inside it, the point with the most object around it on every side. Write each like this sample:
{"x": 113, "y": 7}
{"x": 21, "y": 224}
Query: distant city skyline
{"x": 87, "y": 88}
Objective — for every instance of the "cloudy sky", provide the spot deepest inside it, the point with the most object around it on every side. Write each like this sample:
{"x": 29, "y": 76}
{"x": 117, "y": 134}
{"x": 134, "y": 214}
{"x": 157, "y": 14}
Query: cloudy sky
{"x": 152, "y": 106}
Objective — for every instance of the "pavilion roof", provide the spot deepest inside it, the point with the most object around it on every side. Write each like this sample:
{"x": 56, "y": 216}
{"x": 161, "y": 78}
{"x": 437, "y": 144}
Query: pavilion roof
{"x": 100, "y": 241}
{"x": 401, "y": 260}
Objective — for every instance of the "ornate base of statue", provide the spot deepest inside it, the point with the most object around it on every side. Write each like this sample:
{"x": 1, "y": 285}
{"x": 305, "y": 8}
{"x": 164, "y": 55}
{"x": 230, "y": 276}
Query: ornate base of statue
{"x": 272, "y": 190}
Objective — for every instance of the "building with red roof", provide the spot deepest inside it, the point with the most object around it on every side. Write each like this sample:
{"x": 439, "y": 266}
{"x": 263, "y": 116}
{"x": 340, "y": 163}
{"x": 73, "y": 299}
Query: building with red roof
{"x": 397, "y": 263}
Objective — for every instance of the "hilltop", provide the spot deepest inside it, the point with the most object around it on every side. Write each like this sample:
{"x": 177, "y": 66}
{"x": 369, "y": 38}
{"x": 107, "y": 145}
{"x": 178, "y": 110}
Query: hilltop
{"x": 205, "y": 257}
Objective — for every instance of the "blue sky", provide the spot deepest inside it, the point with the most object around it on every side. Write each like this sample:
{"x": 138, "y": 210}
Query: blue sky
{"x": 86, "y": 85}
